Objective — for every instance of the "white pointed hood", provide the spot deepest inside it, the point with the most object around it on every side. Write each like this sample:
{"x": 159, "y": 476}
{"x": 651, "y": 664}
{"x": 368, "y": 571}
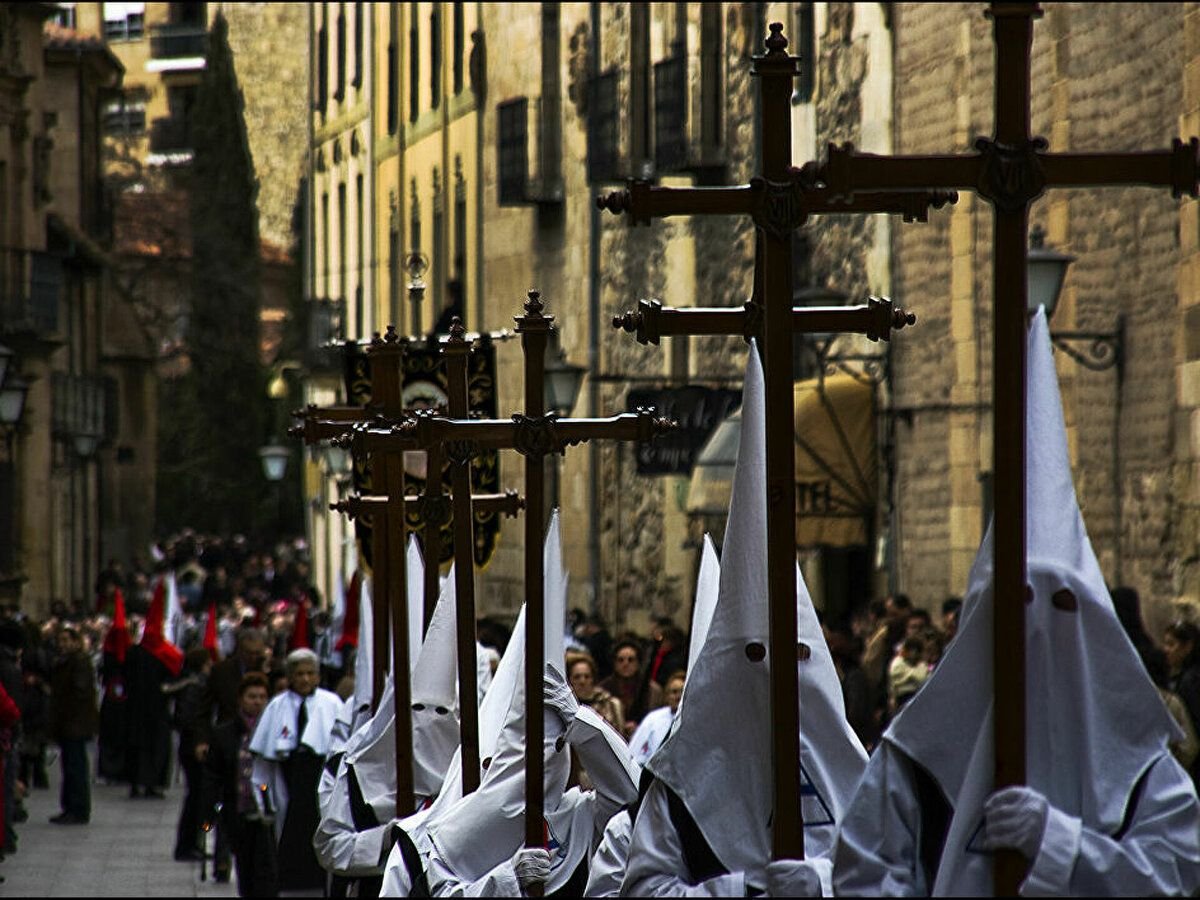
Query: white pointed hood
{"x": 1094, "y": 721}
{"x": 486, "y": 828}
{"x": 363, "y": 670}
{"x": 434, "y": 719}
{"x": 492, "y": 713}
{"x": 555, "y": 593}
{"x": 416, "y": 599}
{"x": 708, "y": 589}
{"x": 723, "y": 733}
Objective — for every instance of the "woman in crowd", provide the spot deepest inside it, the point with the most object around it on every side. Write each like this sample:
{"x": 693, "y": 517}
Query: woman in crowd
{"x": 581, "y": 672}
{"x": 637, "y": 693}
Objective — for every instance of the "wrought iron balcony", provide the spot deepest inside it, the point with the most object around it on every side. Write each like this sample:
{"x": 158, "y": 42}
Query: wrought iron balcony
{"x": 170, "y": 135}
{"x": 30, "y": 286}
{"x": 178, "y": 42}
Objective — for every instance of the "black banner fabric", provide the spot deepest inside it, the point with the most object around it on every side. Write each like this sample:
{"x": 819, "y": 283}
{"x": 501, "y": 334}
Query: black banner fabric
{"x": 425, "y": 387}
{"x": 698, "y": 410}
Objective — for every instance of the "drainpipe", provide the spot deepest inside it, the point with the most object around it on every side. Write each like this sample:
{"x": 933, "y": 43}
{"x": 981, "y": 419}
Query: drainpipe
{"x": 594, "y": 341}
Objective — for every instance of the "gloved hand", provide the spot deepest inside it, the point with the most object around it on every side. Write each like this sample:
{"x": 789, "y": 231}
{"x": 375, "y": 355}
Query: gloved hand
{"x": 559, "y": 696}
{"x": 799, "y": 877}
{"x": 532, "y": 866}
{"x": 1015, "y": 819}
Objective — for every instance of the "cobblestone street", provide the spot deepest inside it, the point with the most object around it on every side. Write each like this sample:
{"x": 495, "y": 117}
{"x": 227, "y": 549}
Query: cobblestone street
{"x": 126, "y": 850}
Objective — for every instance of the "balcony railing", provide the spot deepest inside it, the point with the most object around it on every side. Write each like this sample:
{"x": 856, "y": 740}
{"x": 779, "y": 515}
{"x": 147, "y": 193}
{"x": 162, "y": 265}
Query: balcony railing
{"x": 31, "y": 283}
{"x": 170, "y": 135}
{"x": 178, "y": 41}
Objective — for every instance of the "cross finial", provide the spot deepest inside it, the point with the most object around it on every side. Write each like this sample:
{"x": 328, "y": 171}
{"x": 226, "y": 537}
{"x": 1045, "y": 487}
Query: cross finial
{"x": 458, "y": 334}
{"x": 776, "y": 43}
{"x": 534, "y": 305}
{"x": 390, "y": 335}
{"x": 376, "y": 339}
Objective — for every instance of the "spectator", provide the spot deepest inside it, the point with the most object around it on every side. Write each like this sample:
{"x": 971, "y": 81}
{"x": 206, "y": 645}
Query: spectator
{"x": 187, "y": 692}
{"x": 1188, "y": 748}
{"x": 657, "y": 724}
{"x": 629, "y": 684}
{"x": 906, "y": 674}
{"x": 1128, "y": 608}
{"x": 856, "y": 693}
{"x": 73, "y": 721}
{"x": 951, "y": 610}
{"x": 1180, "y": 644}
{"x": 10, "y": 717}
{"x": 12, "y": 643}
{"x": 229, "y": 780}
{"x": 581, "y": 673}
{"x": 594, "y": 636}
{"x": 670, "y": 651}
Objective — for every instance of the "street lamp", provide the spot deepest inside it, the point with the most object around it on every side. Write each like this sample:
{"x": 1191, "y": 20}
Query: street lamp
{"x": 1047, "y": 269}
{"x": 563, "y": 380}
{"x": 13, "y": 391}
{"x": 274, "y": 458}
{"x": 416, "y": 264}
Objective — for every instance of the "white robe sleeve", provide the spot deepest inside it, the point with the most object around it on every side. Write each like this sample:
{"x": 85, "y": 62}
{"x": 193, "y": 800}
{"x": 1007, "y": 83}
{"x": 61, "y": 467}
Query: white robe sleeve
{"x": 607, "y": 867}
{"x": 877, "y": 846}
{"x": 500, "y": 882}
{"x": 340, "y": 848}
{"x": 606, "y": 758}
{"x": 1158, "y": 855}
{"x": 656, "y": 867}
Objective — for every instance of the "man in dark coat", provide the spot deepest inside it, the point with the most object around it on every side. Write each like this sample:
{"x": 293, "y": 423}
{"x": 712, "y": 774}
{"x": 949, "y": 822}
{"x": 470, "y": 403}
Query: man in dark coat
{"x": 73, "y": 721}
{"x": 219, "y": 702}
{"x": 228, "y": 780}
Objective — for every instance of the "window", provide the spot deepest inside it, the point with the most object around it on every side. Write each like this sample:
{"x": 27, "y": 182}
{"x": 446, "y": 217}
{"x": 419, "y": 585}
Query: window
{"x": 710, "y": 77}
{"x": 323, "y": 60}
{"x": 513, "y": 120}
{"x": 460, "y": 37}
{"x": 325, "y": 243}
{"x": 64, "y": 15}
{"x": 438, "y": 262}
{"x": 359, "y": 25}
{"x": 124, "y": 117}
{"x": 341, "y": 242}
{"x": 670, "y": 114}
{"x": 360, "y": 253}
{"x": 550, "y": 145}
{"x": 414, "y": 69}
{"x": 603, "y": 128}
{"x": 124, "y": 21}
{"x": 639, "y": 89}
{"x": 459, "y": 295}
{"x": 340, "y": 93}
{"x": 806, "y": 43}
{"x": 393, "y": 72}
{"x": 435, "y": 56}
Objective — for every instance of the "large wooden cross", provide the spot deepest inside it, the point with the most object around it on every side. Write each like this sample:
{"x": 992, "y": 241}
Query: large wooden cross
{"x": 779, "y": 201}
{"x": 533, "y": 434}
{"x": 431, "y": 507}
{"x": 1011, "y": 170}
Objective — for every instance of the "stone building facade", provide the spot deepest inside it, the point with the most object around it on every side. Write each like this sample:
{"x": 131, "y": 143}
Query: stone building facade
{"x": 73, "y": 475}
{"x": 1105, "y": 77}
{"x": 580, "y": 98}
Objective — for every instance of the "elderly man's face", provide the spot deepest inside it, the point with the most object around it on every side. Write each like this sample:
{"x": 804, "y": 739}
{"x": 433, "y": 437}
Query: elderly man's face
{"x": 304, "y": 679}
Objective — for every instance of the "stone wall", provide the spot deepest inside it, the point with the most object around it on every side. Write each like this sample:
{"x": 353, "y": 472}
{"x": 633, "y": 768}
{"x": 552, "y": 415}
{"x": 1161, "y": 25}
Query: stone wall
{"x": 1106, "y": 77}
{"x": 270, "y": 51}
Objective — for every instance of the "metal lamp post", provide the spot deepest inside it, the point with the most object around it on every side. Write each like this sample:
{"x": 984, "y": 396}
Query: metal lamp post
{"x": 563, "y": 381}
{"x": 274, "y": 457}
{"x": 1047, "y": 271}
{"x": 416, "y": 264}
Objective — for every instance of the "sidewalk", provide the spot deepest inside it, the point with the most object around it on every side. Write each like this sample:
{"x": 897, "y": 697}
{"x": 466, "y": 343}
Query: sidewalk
{"x": 126, "y": 851}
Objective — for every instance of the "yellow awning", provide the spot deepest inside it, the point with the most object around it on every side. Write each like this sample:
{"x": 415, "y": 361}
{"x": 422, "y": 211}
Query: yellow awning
{"x": 837, "y": 475}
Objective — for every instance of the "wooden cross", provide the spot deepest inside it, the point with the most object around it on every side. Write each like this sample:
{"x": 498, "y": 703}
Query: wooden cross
{"x": 333, "y": 423}
{"x": 533, "y": 434}
{"x": 1011, "y": 170}
{"x": 508, "y": 504}
{"x": 779, "y": 201}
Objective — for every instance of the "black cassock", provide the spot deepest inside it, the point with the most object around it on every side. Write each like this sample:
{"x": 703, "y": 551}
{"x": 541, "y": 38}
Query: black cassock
{"x": 298, "y": 866}
{"x": 148, "y": 733}
{"x": 111, "y": 762}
